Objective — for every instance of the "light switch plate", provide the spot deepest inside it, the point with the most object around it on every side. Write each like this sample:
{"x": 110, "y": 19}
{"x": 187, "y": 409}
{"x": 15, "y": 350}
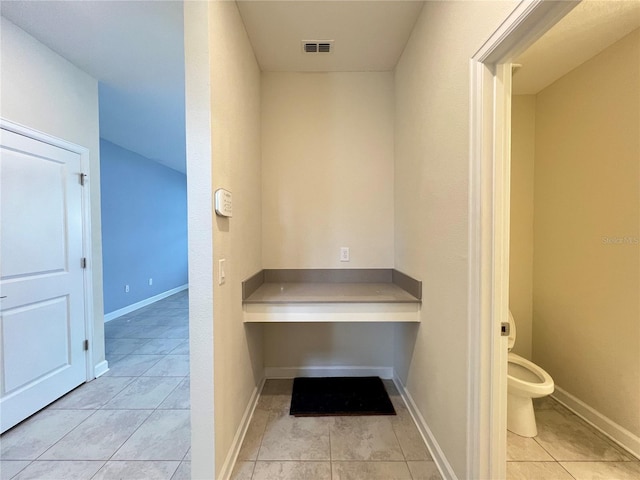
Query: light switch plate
{"x": 221, "y": 273}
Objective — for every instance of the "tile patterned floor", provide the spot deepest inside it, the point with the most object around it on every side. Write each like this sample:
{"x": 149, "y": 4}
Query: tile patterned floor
{"x": 566, "y": 448}
{"x": 131, "y": 423}
{"x": 281, "y": 447}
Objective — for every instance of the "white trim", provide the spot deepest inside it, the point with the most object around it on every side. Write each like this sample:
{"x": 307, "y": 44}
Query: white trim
{"x": 236, "y": 444}
{"x": 198, "y": 122}
{"x": 101, "y": 368}
{"x": 328, "y": 371}
{"x": 331, "y": 312}
{"x": 86, "y": 225}
{"x": 439, "y": 458}
{"x": 600, "y": 422}
{"x": 87, "y": 242}
{"x": 143, "y": 303}
{"x": 488, "y": 221}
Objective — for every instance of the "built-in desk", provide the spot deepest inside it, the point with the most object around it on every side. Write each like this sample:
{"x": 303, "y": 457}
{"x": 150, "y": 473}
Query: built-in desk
{"x": 341, "y": 295}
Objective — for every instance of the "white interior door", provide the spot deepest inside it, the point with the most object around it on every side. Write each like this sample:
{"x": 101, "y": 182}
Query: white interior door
{"x": 42, "y": 319}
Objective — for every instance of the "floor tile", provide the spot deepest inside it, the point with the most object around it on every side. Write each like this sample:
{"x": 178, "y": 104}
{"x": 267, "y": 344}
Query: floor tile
{"x": 120, "y": 330}
{"x": 292, "y": 471}
{"x": 525, "y": 449}
{"x": 424, "y": 470}
{"x": 545, "y": 403}
{"x": 276, "y": 396}
{"x": 411, "y": 442}
{"x": 180, "y": 332}
{"x": 132, "y": 365}
{"x": 278, "y": 386}
{"x": 34, "y": 436}
{"x": 98, "y": 437}
{"x": 124, "y": 346}
{"x": 181, "y": 349}
{"x": 170, "y": 366}
{"x": 149, "y": 332}
{"x": 568, "y": 438}
{"x": 253, "y": 437}
{"x": 370, "y": 471}
{"x": 402, "y": 412}
{"x": 113, "y": 359}
{"x": 179, "y": 399}
{"x": 10, "y": 468}
{"x": 165, "y": 435}
{"x": 58, "y": 470}
{"x": 364, "y": 438}
{"x": 536, "y": 471}
{"x": 159, "y": 346}
{"x": 144, "y": 393}
{"x": 183, "y": 472}
{"x": 242, "y": 470}
{"x": 92, "y": 395}
{"x": 141, "y": 470}
{"x": 390, "y": 387}
{"x": 291, "y": 438}
{"x": 603, "y": 470}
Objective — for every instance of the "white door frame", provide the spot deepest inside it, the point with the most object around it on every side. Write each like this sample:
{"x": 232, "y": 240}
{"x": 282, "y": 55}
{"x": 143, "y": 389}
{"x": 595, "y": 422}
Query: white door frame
{"x": 86, "y": 224}
{"x": 489, "y": 205}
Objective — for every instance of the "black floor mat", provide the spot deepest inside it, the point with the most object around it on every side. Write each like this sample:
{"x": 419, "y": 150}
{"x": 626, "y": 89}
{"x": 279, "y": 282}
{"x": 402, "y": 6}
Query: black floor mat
{"x": 325, "y": 396}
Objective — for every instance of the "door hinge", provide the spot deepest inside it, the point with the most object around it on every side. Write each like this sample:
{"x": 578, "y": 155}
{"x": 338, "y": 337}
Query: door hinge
{"x": 83, "y": 177}
{"x": 85, "y": 345}
{"x": 83, "y": 262}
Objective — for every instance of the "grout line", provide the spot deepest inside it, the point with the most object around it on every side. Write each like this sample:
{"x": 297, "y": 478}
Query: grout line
{"x": 65, "y": 435}
{"x": 330, "y": 451}
{"x": 568, "y": 472}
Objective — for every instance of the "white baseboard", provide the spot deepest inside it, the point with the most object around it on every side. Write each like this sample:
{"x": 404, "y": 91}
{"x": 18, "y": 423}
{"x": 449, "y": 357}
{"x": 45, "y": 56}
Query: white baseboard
{"x": 236, "y": 444}
{"x": 608, "y": 427}
{"x": 330, "y": 371}
{"x": 101, "y": 368}
{"x": 143, "y": 303}
{"x": 446, "y": 471}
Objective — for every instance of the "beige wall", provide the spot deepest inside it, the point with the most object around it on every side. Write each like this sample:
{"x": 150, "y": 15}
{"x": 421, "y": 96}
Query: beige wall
{"x": 431, "y": 209}
{"x": 328, "y": 345}
{"x": 43, "y": 91}
{"x": 523, "y": 116}
{"x": 223, "y": 149}
{"x": 235, "y": 107}
{"x": 327, "y": 163}
{"x": 327, "y": 182}
{"x": 586, "y": 289}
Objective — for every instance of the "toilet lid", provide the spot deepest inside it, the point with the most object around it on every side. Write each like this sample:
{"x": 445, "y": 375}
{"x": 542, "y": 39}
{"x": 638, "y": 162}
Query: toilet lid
{"x": 512, "y": 332}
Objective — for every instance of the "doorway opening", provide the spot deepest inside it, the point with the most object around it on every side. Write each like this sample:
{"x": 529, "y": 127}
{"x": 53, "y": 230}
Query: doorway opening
{"x": 490, "y": 187}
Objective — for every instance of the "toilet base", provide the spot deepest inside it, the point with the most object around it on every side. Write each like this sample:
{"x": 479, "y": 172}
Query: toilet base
{"x": 521, "y": 419}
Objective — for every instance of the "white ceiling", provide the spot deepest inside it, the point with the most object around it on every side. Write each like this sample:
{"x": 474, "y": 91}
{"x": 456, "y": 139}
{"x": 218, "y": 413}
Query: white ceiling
{"x": 584, "y": 32}
{"x": 368, "y": 35}
{"x": 135, "y": 50}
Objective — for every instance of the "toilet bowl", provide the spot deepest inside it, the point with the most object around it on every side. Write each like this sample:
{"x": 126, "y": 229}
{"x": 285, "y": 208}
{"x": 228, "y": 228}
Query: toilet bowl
{"x": 525, "y": 381}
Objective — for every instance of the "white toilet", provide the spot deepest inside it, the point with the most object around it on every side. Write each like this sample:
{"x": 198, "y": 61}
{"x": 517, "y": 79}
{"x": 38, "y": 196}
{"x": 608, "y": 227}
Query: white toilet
{"x": 525, "y": 381}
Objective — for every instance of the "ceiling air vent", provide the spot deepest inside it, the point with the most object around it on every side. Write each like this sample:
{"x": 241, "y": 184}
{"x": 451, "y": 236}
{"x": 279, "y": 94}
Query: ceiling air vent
{"x": 317, "y": 46}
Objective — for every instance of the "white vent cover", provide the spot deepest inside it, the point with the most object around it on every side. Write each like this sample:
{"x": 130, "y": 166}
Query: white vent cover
{"x": 317, "y": 46}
